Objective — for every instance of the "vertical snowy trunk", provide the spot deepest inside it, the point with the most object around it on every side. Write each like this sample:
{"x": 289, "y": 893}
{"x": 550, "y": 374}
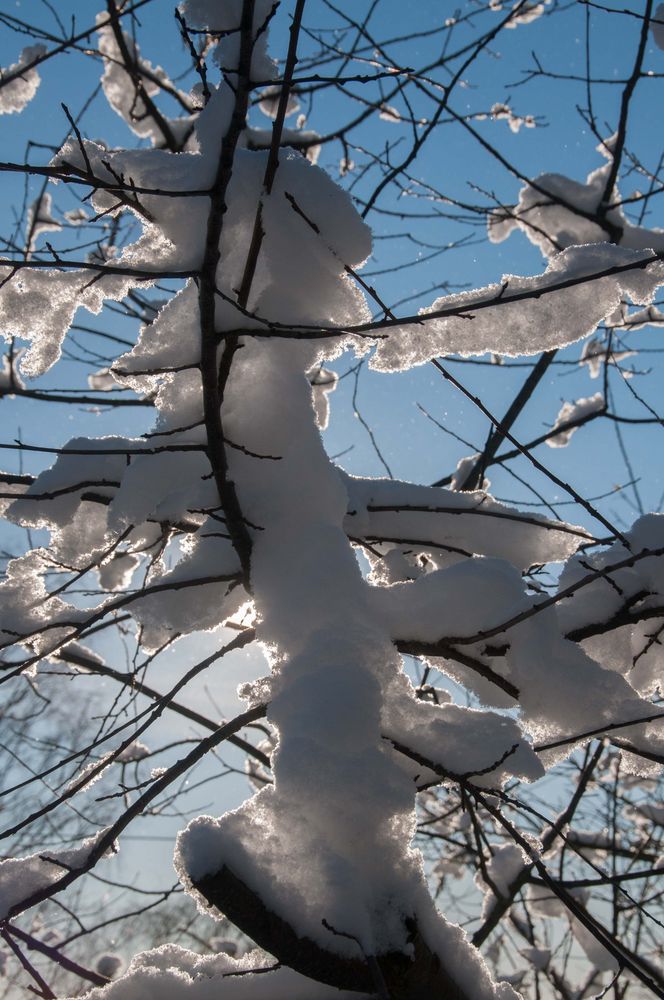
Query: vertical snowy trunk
{"x": 340, "y": 800}
{"x": 329, "y": 655}
{"x": 318, "y": 867}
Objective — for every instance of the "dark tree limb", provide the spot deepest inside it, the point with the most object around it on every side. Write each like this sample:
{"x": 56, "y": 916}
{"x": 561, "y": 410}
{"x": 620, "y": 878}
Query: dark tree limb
{"x": 421, "y": 977}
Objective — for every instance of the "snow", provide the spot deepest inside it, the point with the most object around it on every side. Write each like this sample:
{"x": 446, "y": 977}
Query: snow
{"x": 333, "y": 679}
{"x": 102, "y": 381}
{"x": 76, "y": 216}
{"x": 646, "y": 813}
{"x": 598, "y": 600}
{"x": 90, "y": 774}
{"x": 461, "y": 741}
{"x": 323, "y": 383}
{"x": 542, "y": 902}
{"x": 101, "y": 466}
{"x": 460, "y": 600}
{"x": 224, "y": 19}
{"x": 523, "y": 316}
{"x": 149, "y": 481}
{"x": 469, "y": 968}
{"x": 505, "y": 863}
{"x": 556, "y": 212}
{"x": 388, "y": 113}
{"x": 595, "y": 351}
{"x": 500, "y": 223}
{"x": 503, "y": 112}
{"x": 570, "y": 412}
{"x": 39, "y": 306}
{"x": 524, "y": 13}
{"x": 463, "y": 468}
{"x": 125, "y": 91}
{"x": 211, "y": 564}
{"x": 40, "y": 218}
{"x": 269, "y": 102}
{"x": 301, "y": 138}
{"x": 133, "y": 752}
{"x": 436, "y": 518}
{"x": 27, "y": 608}
{"x": 326, "y": 681}
{"x": 563, "y": 690}
{"x": 20, "y": 878}
{"x": 17, "y": 94}
{"x": 173, "y": 973}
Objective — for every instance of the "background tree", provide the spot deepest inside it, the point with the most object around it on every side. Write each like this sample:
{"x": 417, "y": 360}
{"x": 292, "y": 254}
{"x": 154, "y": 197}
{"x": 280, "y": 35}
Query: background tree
{"x": 421, "y": 639}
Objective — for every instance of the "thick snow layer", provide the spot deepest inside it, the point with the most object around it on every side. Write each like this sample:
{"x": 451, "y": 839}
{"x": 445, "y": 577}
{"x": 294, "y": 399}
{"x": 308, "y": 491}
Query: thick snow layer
{"x": 470, "y": 523}
{"x": 574, "y": 411}
{"x": 451, "y": 943}
{"x": 173, "y": 973}
{"x": 39, "y": 306}
{"x": 461, "y": 600}
{"x": 562, "y": 689}
{"x": 304, "y": 139}
{"x": 169, "y": 484}
{"x": 483, "y": 746}
{"x": 224, "y": 18}
{"x": 212, "y": 565}
{"x": 332, "y": 659}
{"x": 629, "y": 650}
{"x": 149, "y": 481}
{"x": 523, "y": 316}
{"x": 25, "y": 605}
{"x": 57, "y": 491}
{"x": 601, "y": 598}
{"x": 125, "y": 91}
{"x": 20, "y": 878}
{"x": 556, "y": 212}
{"x": 505, "y": 863}
{"x": 15, "y": 95}
{"x": 326, "y": 685}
